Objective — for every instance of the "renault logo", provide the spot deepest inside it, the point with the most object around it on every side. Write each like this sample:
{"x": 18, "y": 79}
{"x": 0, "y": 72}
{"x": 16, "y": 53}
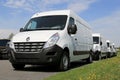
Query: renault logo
{"x": 28, "y": 39}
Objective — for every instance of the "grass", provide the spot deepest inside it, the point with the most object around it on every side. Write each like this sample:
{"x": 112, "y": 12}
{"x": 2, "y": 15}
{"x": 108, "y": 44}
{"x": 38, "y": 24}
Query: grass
{"x": 107, "y": 69}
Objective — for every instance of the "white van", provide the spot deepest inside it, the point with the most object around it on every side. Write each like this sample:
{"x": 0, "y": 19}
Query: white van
{"x": 110, "y": 49}
{"x": 99, "y": 46}
{"x": 113, "y": 49}
{"x": 54, "y": 37}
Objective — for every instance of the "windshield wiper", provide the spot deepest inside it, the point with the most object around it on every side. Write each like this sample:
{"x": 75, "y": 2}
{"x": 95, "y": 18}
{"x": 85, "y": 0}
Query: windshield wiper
{"x": 43, "y": 28}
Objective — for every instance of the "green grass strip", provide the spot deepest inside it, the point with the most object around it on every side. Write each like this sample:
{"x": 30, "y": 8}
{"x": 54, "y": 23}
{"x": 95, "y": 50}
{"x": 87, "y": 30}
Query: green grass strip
{"x": 106, "y": 69}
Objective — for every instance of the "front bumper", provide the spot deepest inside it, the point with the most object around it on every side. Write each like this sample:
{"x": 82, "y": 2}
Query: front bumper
{"x": 49, "y": 55}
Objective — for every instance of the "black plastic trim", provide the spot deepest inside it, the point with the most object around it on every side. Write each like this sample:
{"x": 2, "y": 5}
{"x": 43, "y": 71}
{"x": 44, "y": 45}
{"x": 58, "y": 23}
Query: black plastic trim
{"x": 81, "y": 52}
{"x": 49, "y": 55}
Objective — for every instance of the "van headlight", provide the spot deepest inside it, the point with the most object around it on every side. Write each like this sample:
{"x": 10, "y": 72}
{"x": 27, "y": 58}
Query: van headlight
{"x": 96, "y": 48}
{"x": 52, "y": 40}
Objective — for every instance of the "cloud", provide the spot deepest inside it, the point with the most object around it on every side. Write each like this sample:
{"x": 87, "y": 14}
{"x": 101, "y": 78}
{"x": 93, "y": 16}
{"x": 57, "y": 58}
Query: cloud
{"x": 109, "y": 26}
{"x": 81, "y": 5}
{"x": 22, "y": 4}
{"x": 4, "y": 33}
{"x": 44, "y": 5}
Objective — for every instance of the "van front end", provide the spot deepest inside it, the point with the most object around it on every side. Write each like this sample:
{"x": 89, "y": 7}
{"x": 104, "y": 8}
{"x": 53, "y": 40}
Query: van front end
{"x": 96, "y": 55}
{"x": 96, "y": 51}
{"x": 32, "y": 54}
{"x": 31, "y": 49}
{"x": 42, "y": 50}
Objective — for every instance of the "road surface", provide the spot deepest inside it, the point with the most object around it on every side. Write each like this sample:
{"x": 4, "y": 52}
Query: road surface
{"x": 29, "y": 73}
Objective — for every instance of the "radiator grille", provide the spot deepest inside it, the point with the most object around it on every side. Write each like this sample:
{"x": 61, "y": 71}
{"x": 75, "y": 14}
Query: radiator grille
{"x": 29, "y": 46}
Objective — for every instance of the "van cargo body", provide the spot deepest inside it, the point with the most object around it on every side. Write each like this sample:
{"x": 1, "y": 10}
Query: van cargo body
{"x": 114, "y": 53}
{"x": 54, "y": 38}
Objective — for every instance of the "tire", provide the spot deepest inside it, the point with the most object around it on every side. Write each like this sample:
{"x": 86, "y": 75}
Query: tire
{"x": 89, "y": 59}
{"x": 99, "y": 57}
{"x": 18, "y": 66}
{"x": 115, "y": 54}
{"x": 108, "y": 54}
{"x": 64, "y": 62}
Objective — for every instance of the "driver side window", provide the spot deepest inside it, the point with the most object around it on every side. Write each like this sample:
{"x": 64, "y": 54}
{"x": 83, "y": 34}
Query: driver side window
{"x": 71, "y": 21}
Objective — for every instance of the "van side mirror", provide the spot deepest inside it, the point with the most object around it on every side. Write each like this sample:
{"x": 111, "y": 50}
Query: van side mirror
{"x": 21, "y": 29}
{"x": 100, "y": 43}
{"x": 72, "y": 29}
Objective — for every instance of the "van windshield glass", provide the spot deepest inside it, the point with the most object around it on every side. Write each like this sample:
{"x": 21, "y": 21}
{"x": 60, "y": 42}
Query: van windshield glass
{"x": 47, "y": 23}
{"x": 108, "y": 44}
{"x": 96, "y": 40}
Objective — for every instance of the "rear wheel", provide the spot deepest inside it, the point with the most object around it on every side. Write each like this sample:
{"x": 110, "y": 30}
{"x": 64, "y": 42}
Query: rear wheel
{"x": 108, "y": 54}
{"x": 115, "y": 53}
{"x": 64, "y": 62}
{"x": 18, "y": 66}
{"x": 90, "y": 59}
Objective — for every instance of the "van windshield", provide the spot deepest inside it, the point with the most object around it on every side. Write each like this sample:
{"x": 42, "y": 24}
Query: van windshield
{"x": 57, "y": 22}
{"x": 96, "y": 40}
{"x": 108, "y": 44}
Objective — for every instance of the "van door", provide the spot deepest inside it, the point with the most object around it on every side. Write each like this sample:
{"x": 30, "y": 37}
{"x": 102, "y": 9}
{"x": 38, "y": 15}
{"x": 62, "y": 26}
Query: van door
{"x": 73, "y": 37}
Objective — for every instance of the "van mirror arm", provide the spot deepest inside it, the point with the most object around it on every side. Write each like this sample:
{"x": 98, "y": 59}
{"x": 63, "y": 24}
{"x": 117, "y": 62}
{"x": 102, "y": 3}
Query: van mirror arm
{"x": 21, "y": 29}
{"x": 100, "y": 43}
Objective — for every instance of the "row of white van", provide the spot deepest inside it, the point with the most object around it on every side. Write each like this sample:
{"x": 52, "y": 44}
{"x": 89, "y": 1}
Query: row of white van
{"x": 56, "y": 38}
{"x": 102, "y": 47}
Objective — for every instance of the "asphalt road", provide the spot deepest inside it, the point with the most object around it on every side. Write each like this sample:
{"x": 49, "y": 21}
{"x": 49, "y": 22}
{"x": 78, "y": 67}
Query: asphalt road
{"x": 35, "y": 72}
{"x": 29, "y": 73}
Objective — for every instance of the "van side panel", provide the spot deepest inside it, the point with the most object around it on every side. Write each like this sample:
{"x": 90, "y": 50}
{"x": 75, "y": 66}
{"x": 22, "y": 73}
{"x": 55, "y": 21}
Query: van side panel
{"x": 82, "y": 40}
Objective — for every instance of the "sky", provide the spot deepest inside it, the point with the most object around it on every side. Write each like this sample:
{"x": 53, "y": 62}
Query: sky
{"x": 102, "y": 15}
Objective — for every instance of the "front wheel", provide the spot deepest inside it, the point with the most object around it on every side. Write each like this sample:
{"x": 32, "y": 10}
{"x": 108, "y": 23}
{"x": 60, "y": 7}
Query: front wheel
{"x": 18, "y": 66}
{"x": 64, "y": 62}
{"x": 99, "y": 57}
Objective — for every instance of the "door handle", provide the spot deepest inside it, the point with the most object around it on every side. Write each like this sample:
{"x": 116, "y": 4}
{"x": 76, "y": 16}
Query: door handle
{"x": 75, "y": 38}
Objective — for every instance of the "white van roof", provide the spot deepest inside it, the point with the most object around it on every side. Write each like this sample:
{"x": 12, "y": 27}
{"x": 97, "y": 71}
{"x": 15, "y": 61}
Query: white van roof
{"x": 62, "y": 12}
{"x": 108, "y": 41}
{"x": 96, "y": 34}
{"x": 55, "y": 12}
